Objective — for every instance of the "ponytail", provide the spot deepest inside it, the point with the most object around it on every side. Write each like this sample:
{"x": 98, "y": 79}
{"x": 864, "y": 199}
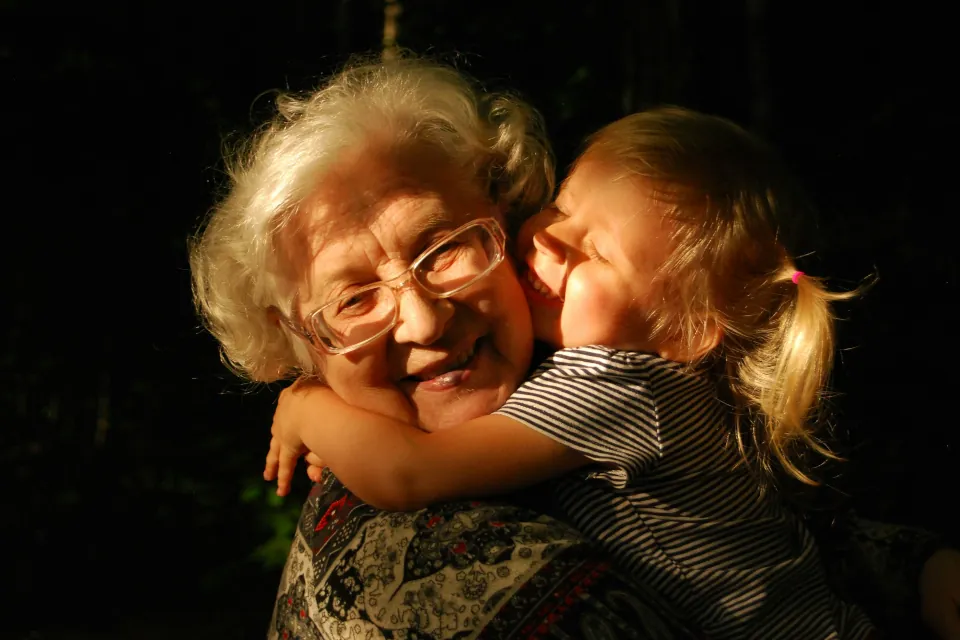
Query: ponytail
{"x": 779, "y": 378}
{"x": 730, "y": 276}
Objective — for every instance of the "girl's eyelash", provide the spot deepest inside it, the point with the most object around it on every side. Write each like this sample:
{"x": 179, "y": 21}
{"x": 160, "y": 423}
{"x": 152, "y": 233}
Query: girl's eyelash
{"x": 594, "y": 254}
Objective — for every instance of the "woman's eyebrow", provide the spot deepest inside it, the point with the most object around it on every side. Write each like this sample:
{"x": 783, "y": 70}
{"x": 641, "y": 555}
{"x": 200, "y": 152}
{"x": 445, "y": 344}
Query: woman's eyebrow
{"x": 436, "y": 218}
{"x": 349, "y": 266}
{"x": 334, "y": 279}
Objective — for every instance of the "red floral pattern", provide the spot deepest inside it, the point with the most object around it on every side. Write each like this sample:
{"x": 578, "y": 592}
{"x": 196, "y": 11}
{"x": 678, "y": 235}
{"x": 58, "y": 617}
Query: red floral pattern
{"x": 463, "y": 569}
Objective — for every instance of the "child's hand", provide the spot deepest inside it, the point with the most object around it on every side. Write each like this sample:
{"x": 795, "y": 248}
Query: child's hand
{"x": 314, "y": 466}
{"x": 940, "y": 594}
{"x": 281, "y": 461}
{"x": 286, "y": 445}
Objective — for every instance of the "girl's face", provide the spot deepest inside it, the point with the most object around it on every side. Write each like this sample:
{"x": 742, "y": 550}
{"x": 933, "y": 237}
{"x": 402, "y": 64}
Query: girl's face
{"x": 592, "y": 259}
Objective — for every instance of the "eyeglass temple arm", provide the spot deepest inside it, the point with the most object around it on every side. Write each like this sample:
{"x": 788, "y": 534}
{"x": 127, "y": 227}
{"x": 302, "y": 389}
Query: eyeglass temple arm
{"x": 289, "y": 324}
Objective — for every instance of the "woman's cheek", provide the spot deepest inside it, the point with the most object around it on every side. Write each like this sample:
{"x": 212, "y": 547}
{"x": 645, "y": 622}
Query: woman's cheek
{"x": 363, "y": 379}
{"x": 510, "y": 318}
{"x": 367, "y": 367}
{"x": 505, "y": 295}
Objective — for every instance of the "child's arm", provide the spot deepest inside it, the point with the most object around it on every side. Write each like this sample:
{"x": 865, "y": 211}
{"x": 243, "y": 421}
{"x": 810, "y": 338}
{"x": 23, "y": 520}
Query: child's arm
{"x": 395, "y": 466}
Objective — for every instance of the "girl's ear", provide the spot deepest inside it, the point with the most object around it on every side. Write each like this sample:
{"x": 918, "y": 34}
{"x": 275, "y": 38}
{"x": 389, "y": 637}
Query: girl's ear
{"x": 713, "y": 335}
{"x": 700, "y": 347}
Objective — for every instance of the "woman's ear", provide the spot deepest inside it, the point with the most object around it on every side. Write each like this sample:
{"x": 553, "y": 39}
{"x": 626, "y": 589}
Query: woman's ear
{"x": 279, "y": 319}
{"x": 274, "y": 316}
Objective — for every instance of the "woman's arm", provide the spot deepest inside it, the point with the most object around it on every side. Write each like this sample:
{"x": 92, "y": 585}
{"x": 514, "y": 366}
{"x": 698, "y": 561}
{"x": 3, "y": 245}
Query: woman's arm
{"x": 393, "y": 465}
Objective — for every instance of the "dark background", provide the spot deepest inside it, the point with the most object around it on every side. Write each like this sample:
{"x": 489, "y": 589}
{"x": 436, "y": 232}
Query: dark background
{"x": 134, "y": 506}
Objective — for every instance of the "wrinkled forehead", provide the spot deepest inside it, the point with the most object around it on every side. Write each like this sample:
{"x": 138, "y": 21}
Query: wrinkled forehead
{"x": 376, "y": 207}
{"x": 388, "y": 228}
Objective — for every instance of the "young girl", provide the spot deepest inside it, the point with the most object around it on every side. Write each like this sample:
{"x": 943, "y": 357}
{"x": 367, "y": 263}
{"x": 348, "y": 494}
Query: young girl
{"x": 693, "y": 354}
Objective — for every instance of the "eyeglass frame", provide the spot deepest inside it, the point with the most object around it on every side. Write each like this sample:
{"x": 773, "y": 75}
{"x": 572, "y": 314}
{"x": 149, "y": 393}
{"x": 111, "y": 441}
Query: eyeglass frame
{"x": 490, "y": 224}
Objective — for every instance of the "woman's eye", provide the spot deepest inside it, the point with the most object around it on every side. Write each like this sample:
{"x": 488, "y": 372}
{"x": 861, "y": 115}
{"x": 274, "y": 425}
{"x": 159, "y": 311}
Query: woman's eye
{"x": 443, "y": 248}
{"x": 444, "y": 255}
{"x": 355, "y": 304}
{"x": 449, "y": 247}
{"x": 350, "y": 302}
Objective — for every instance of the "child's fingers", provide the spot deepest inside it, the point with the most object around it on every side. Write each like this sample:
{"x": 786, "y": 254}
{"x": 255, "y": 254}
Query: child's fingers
{"x": 273, "y": 460}
{"x": 315, "y": 466}
{"x": 287, "y": 464}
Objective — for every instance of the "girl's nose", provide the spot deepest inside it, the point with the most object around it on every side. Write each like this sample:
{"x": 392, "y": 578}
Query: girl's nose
{"x": 549, "y": 245}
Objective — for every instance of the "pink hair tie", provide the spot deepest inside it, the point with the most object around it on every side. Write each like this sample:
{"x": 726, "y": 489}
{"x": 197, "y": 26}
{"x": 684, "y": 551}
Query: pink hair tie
{"x": 796, "y": 276}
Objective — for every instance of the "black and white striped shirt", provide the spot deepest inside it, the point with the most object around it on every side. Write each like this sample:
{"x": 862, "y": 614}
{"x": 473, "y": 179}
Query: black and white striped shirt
{"x": 670, "y": 500}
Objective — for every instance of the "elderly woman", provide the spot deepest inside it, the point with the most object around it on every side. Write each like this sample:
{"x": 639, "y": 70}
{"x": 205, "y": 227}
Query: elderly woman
{"x": 354, "y": 198}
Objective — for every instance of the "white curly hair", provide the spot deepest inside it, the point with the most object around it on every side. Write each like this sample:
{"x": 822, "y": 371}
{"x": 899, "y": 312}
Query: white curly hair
{"x": 237, "y": 271}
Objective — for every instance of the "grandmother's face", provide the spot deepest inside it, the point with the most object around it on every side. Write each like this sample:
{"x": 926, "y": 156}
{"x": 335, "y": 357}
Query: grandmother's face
{"x": 446, "y": 360}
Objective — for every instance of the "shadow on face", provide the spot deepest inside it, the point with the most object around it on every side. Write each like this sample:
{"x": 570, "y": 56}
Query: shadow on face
{"x": 446, "y": 360}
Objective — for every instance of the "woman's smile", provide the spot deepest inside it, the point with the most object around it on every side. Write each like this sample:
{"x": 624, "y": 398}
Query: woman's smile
{"x": 448, "y": 372}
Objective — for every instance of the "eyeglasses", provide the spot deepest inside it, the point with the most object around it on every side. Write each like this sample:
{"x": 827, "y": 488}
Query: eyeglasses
{"x": 447, "y": 267}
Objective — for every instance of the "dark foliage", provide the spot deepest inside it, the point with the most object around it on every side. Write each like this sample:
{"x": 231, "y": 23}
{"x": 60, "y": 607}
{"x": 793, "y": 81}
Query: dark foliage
{"x": 135, "y": 507}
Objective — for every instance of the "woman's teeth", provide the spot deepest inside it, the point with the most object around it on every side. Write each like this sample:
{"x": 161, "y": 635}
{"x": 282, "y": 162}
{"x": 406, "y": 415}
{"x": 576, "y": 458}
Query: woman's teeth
{"x": 465, "y": 358}
{"x": 453, "y": 366}
{"x": 541, "y": 288}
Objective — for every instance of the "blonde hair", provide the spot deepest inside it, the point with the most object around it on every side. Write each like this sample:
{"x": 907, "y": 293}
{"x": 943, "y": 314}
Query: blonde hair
{"x": 728, "y": 269}
{"x": 239, "y": 273}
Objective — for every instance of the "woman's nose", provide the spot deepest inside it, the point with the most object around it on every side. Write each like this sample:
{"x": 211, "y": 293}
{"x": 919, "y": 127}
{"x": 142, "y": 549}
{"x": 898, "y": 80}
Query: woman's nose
{"x": 422, "y": 318}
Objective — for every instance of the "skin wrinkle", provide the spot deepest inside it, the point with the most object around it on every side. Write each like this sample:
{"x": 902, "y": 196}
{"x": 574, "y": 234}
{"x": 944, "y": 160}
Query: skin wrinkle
{"x": 322, "y": 234}
{"x": 371, "y": 241}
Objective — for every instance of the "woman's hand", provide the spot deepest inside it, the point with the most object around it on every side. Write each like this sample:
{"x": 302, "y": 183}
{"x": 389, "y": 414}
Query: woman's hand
{"x": 940, "y": 594}
{"x": 286, "y": 444}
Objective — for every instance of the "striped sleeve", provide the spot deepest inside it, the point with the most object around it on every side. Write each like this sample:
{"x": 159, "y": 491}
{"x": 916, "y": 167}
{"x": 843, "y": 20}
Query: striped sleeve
{"x": 597, "y": 405}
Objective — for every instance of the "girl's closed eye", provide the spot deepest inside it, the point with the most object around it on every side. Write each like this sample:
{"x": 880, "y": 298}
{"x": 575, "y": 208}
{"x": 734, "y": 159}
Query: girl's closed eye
{"x": 555, "y": 213}
{"x": 591, "y": 250}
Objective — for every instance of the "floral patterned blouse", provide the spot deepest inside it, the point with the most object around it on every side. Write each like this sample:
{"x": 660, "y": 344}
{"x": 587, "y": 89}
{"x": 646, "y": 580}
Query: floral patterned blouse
{"x": 462, "y": 569}
{"x": 490, "y": 569}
